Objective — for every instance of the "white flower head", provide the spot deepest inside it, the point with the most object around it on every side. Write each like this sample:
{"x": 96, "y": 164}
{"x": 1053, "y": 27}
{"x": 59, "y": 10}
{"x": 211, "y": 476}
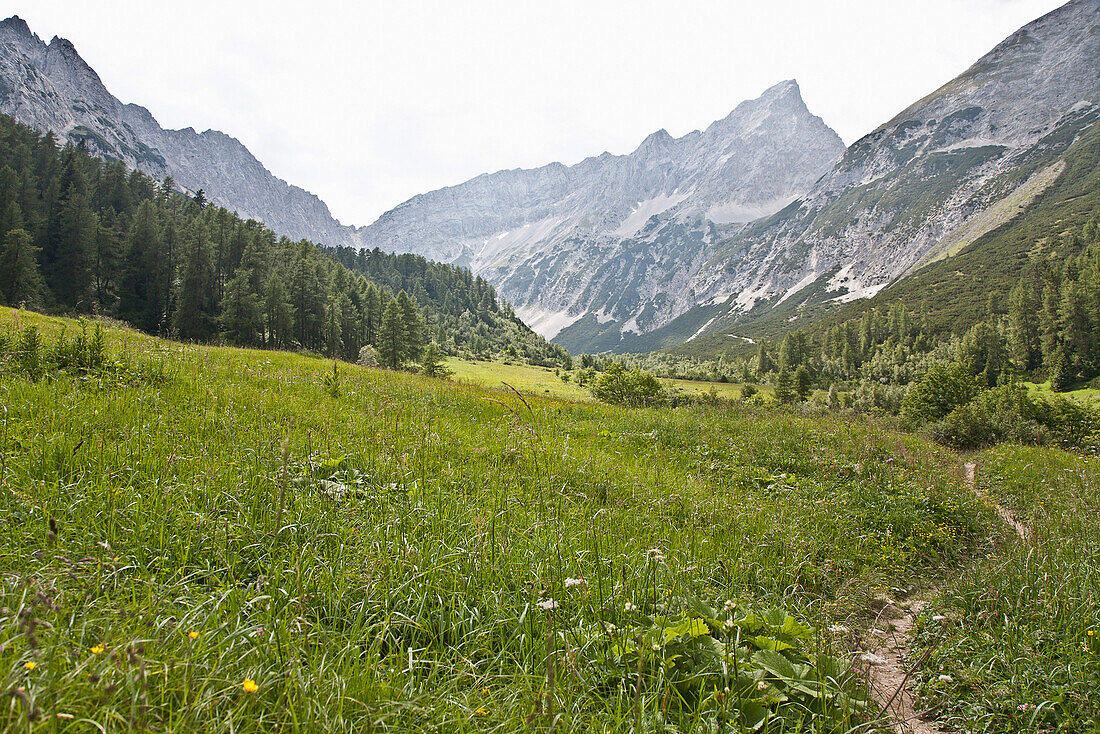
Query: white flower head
{"x": 947, "y": 678}
{"x": 548, "y": 605}
{"x": 629, "y": 607}
{"x": 939, "y": 618}
{"x": 571, "y": 583}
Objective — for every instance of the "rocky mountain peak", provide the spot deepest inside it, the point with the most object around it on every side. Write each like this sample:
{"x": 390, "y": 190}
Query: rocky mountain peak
{"x": 17, "y": 26}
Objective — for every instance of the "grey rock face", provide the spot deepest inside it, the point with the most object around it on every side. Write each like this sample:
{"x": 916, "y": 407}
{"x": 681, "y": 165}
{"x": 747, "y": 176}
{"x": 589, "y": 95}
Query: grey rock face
{"x": 49, "y": 87}
{"x": 931, "y": 178}
{"x": 619, "y": 237}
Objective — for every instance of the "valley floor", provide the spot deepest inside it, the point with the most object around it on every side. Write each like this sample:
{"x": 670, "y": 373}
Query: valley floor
{"x": 216, "y": 539}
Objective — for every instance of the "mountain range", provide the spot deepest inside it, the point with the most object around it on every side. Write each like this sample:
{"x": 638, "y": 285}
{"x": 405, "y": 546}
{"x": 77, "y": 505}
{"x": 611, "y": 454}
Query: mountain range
{"x": 763, "y": 212}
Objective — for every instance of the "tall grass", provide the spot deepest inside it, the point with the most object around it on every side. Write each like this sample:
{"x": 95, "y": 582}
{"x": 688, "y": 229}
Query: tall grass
{"x": 1022, "y": 649}
{"x": 409, "y": 554}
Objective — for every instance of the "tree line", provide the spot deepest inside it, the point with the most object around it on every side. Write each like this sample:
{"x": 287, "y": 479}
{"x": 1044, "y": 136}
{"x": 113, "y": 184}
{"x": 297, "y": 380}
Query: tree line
{"x": 80, "y": 235}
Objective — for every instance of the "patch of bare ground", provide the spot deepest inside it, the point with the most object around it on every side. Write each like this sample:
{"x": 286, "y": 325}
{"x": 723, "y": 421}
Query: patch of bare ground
{"x": 884, "y": 648}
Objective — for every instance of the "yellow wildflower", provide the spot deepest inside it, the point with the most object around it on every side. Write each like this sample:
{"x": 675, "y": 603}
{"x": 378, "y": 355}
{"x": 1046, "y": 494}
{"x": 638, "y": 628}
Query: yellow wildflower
{"x": 30, "y": 665}
{"x": 250, "y": 686}
{"x": 97, "y": 649}
{"x": 482, "y": 712}
{"x": 193, "y": 635}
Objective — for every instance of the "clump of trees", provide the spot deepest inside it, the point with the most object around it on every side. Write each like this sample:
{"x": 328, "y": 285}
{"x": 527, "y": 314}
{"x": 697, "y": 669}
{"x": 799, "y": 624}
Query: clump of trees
{"x": 82, "y": 236}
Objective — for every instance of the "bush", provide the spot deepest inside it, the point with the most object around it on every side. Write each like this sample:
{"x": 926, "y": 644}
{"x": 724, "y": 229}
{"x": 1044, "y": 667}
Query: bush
{"x": 1010, "y": 414}
{"x": 944, "y": 388}
{"x": 748, "y": 390}
{"x": 367, "y": 356}
{"x": 636, "y": 387}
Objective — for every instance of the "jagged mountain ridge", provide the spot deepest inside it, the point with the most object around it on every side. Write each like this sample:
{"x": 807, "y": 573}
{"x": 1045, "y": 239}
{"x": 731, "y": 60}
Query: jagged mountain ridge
{"x": 948, "y": 169}
{"x": 616, "y": 239}
{"x": 49, "y": 87}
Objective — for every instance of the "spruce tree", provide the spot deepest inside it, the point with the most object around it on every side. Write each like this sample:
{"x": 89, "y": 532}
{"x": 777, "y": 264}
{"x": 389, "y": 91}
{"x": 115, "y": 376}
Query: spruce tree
{"x": 196, "y": 314}
{"x": 278, "y": 312}
{"x": 20, "y": 281}
{"x": 411, "y": 325}
{"x": 391, "y": 337}
{"x": 242, "y": 315}
{"x": 141, "y": 296}
{"x": 784, "y": 388}
{"x": 431, "y": 362}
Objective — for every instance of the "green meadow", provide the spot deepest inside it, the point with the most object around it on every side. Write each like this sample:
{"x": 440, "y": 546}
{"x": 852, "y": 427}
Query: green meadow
{"x": 218, "y": 539}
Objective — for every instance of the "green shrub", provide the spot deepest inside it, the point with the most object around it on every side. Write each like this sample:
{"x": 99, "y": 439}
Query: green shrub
{"x": 944, "y": 388}
{"x": 636, "y": 387}
{"x": 1009, "y": 413}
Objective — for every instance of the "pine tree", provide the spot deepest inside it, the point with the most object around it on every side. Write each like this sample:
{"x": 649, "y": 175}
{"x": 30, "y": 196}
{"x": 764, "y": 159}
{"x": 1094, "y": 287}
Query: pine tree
{"x": 196, "y": 314}
{"x": 278, "y": 312}
{"x": 802, "y": 382}
{"x": 784, "y": 388}
{"x": 70, "y": 238}
{"x": 141, "y": 297}
{"x": 20, "y": 281}
{"x": 391, "y": 337}
{"x": 431, "y": 362}
{"x": 411, "y": 325}
{"x": 1023, "y": 327}
{"x": 242, "y": 315}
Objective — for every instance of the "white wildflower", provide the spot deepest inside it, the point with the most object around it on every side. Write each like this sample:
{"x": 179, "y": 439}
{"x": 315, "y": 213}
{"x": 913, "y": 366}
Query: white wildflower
{"x": 570, "y": 583}
{"x": 947, "y": 679}
{"x": 548, "y": 605}
{"x": 629, "y": 607}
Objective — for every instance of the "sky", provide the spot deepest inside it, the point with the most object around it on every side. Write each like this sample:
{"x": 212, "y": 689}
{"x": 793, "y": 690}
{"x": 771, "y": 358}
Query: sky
{"x": 367, "y": 104}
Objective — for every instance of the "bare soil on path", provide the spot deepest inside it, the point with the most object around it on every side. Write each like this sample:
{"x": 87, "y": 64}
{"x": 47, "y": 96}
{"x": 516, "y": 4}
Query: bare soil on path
{"x": 886, "y": 646}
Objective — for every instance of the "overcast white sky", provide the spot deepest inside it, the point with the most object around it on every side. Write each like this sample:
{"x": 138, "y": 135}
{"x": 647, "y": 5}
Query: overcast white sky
{"x": 367, "y": 104}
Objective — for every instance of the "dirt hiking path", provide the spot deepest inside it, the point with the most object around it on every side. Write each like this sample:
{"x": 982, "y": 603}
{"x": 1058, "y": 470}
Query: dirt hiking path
{"x": 889, "y": 641}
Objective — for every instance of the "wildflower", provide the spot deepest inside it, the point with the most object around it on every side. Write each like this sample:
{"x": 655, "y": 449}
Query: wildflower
{"x": 482, "y": 712}
{"x": 947, "y": 679}
{"x": 193, "y": 635}
{"x": 548, "y": 605}
{"x": 629, "y": 607}
{"x": 250, "y": 686}
{"x": 939, "y": 618}
{"x": 656, "y": 647}
{"x": 730, "y": 624}
{"x": 729, "y": 606}
{"x": 839, "y": 629}
{"x": 97, "y": 649}
{"x": 570, "y": 583}
{"x": 762, "y": 686}
{"x": 30, "y": 665}
{"x": 1025, "y": 707}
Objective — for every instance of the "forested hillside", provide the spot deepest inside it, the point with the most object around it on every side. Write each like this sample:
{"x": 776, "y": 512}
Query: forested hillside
{"x": 80, "y": 236}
